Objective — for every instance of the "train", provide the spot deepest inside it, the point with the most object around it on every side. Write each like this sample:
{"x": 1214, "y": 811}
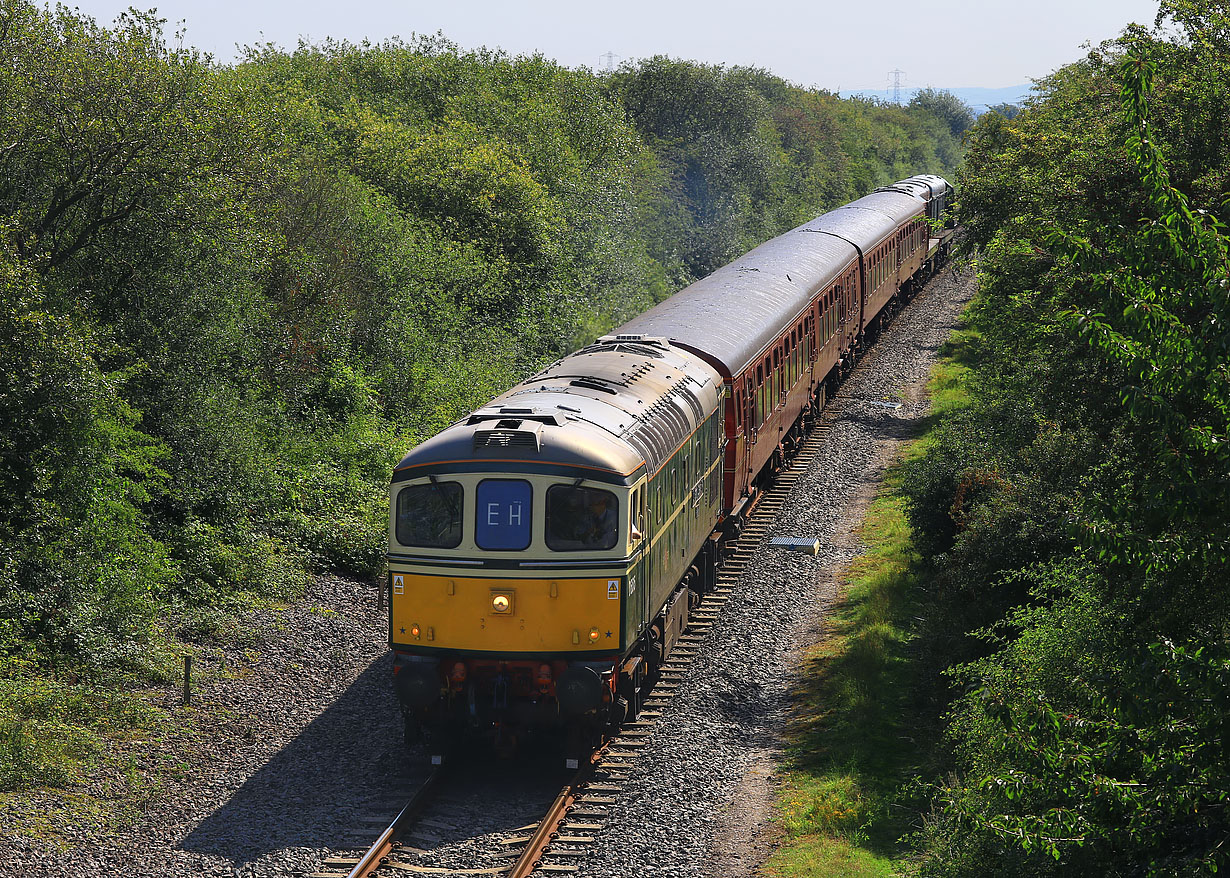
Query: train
{"x": 545, "y": 551}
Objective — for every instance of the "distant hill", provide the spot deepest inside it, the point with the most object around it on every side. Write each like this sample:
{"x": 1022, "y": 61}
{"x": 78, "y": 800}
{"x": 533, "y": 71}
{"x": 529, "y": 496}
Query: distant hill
{"x": 979, "y": 99}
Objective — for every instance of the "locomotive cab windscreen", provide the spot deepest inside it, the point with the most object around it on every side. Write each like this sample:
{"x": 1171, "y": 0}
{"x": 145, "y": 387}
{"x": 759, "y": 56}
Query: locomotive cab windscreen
{"x": 477, "y": 514}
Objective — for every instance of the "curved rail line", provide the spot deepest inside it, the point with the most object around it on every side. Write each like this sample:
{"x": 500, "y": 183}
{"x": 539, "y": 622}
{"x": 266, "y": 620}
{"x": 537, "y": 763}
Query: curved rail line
{"x": 581, "y": 797}
{"x": 378, "y": 853}
{"x": 608, "y": 763}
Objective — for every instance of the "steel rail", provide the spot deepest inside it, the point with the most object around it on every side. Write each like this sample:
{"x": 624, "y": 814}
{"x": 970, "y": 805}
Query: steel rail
{"x": 379, "y": 852}
{"x": 557, "y": 814}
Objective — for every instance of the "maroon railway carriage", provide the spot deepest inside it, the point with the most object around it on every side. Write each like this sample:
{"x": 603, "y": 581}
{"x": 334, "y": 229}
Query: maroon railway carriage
{"x": 544, "y": 552}
{"x": 783, "y": 321}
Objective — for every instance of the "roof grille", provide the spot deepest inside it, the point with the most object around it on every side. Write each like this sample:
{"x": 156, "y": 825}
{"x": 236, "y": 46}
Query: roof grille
{"x": 511, "y": 433}
{"x": 642, "y": 345}
{"x": 657, "y": 341}
{"x": 594, "y": 384}
{"x": 506, "y": 438}
{"x": 482, "y": 416}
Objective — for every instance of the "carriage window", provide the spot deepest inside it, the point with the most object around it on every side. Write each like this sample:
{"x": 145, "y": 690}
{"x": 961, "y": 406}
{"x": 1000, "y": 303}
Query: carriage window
{"x": 430, "y": 515}
{"x": 581, "y": 519}
{"x": 502, "y": 514}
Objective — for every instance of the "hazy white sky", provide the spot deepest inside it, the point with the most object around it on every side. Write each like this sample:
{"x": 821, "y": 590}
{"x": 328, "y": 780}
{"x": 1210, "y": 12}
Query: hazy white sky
{"x": 834, "y": 45}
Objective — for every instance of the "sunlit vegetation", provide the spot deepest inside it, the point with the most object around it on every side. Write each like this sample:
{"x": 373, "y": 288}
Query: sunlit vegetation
{"x": 863, "y": 727}
{"x": 1066, "y": 643}
{"x": 1073, "y": 520}
{"x": 852, "y": 744}
{"x": 232, "y": 296}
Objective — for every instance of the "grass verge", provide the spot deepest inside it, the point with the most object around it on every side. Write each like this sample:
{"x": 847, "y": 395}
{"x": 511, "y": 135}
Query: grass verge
{"x": 88, "y": 749}
{"x": 858, "y": 737}
{"x": 852, "y": 745}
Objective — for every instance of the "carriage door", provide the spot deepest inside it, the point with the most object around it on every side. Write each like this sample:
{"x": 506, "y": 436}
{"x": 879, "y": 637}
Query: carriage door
{"x": 640, "y": 578}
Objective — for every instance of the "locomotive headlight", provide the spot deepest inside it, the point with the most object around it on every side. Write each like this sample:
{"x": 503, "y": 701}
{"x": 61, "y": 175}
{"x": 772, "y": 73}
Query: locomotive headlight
{"x": 501, "y": 602}
{"x": 594, "y": 634}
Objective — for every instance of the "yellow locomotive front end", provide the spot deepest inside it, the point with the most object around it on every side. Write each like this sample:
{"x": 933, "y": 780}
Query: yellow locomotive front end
{"x": 520, "y": 560}
{"x": 506, "y": 597}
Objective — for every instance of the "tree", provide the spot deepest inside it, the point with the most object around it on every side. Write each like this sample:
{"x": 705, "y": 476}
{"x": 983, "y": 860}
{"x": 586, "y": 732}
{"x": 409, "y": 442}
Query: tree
{"x": 1090, "y": 735}
{"x": 946, "y": 107}
{"x": 1008, "y": 111}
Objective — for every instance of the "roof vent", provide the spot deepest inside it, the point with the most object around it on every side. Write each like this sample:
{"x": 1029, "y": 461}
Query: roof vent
{"x": 641, "y": 345}
{"x": 655, "y": 340}
{"x": 594, "y": 384}
{"x": 509, "y": 437}
{"x": 525, "y": 417}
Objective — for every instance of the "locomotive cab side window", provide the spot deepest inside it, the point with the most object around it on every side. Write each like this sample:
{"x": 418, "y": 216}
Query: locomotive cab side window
{"x": 636, "y": 527}
{"x": 429, "y": 515}
{"x": 582, "y": 519}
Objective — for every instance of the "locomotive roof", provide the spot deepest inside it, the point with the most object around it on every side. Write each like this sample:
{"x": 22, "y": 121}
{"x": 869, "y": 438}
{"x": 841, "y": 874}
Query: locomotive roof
{"x": 937, "y": 184}
{"x": 604, "y": 412}
{"x": 730, "y": 316}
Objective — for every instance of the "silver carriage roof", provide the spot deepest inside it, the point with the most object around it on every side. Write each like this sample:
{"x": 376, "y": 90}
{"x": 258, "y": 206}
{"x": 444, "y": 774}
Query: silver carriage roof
{"x": 866, "y": 222}
{"x": 603, "y": 413}
{"x": 732, "y": 315}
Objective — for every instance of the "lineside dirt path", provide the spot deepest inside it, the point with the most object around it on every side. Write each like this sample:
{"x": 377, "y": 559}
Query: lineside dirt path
{"x": 746, "y": 836}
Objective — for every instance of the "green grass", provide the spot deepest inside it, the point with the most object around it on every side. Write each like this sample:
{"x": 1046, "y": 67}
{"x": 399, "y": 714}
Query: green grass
{"x": 949, "y": 383}
{"x": 63, "y": 720}
{"x": 857, "y": 739}
{"x": 851, "y": 747}
{"x": 826, "y": 856}
{"x": 54, "y": 729}
{"x": 82, "y": 753}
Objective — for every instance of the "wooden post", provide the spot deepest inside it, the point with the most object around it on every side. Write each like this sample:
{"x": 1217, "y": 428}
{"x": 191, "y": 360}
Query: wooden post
{"x": 187, "y": 678}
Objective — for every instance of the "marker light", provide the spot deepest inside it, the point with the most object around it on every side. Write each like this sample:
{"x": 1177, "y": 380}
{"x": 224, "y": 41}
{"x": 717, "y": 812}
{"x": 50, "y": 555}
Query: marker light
{"x": 593, "y": 634}
{"x": 500, "y": 603}
{"x": 415, "y": 631}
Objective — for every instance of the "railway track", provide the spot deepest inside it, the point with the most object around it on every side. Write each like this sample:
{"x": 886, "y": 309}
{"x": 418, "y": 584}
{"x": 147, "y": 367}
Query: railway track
{"x": 544, "y": 847}
{"x": 556, "y": 843}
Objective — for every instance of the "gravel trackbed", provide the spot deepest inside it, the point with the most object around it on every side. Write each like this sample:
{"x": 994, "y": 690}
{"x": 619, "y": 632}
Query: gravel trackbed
{"x": 294, "y": 740}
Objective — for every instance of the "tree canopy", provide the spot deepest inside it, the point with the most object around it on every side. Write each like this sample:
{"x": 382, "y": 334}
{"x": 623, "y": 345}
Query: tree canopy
{"x": 232, "y": 296}
{"x": 1075, "y": 516}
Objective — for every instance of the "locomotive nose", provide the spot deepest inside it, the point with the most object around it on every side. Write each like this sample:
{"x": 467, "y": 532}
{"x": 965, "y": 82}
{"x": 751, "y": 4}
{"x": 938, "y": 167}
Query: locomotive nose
{"x": 418, "y": 683}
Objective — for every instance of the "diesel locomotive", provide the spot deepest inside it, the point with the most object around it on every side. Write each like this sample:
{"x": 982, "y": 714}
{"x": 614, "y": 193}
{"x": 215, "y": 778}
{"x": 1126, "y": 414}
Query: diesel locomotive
{"x": 544, "y": 552}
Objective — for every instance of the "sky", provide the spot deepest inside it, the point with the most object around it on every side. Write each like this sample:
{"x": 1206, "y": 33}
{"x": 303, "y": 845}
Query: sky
{"x": 816, "y": 43}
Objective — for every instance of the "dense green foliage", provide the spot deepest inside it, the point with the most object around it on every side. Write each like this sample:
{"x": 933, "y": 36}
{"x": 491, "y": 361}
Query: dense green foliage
{"x": 1076, "y": 516}
{"x": 231, "y": 297}
{"x": 954, "y": 112}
